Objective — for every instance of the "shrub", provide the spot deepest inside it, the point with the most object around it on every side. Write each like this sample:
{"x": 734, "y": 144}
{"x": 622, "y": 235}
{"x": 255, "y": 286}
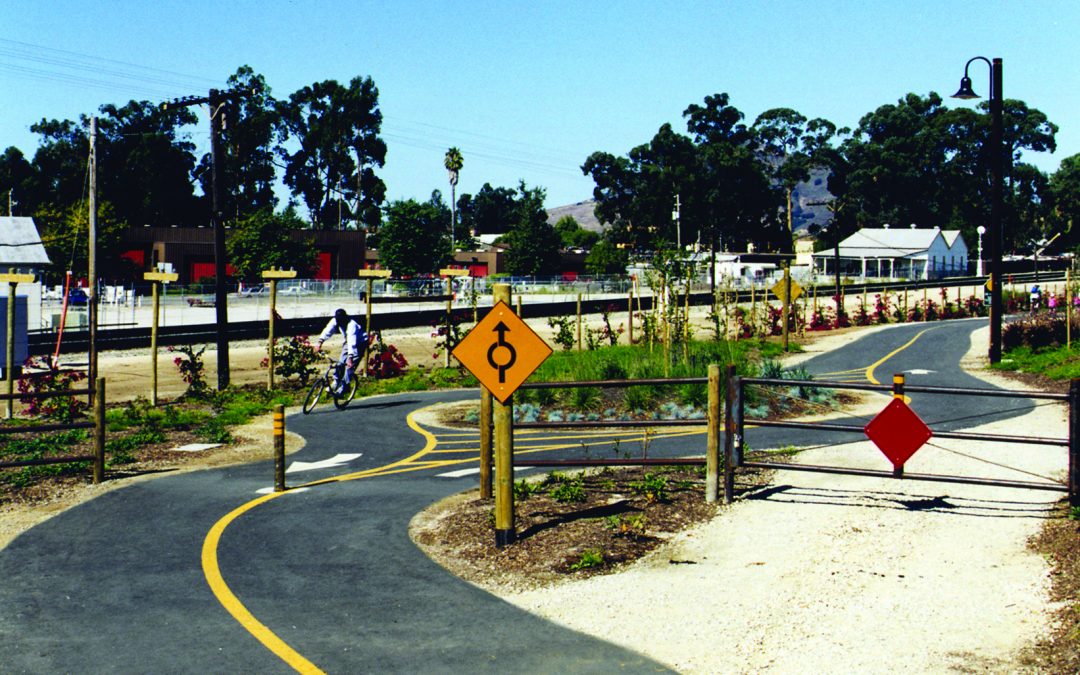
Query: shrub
{"x": 590, "y": 558}
{"x": 632, "y": 525}
{"x": 564, "y": 331}
{"x": 294, "y": 356}
{"x": 653, "y": 487}
{"x": 50, "y": 379}
{"x": 190, "y": 365}
{"x": 385, "y": 360}
{"x": 524, "y": 489}
{"x": 568, "y": 490}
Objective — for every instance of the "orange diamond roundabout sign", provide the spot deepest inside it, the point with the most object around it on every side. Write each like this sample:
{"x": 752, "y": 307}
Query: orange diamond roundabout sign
{"x": 502, "y": 351}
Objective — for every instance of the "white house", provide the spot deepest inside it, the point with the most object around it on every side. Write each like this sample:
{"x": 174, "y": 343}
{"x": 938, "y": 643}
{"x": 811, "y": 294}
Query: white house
{"x": 21, "y": 251}
{"x": 898, "y": 253}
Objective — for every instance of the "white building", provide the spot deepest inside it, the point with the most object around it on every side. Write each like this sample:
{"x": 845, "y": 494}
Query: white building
{"x": 21, "y": 251}
{"x": 898, "y": 253}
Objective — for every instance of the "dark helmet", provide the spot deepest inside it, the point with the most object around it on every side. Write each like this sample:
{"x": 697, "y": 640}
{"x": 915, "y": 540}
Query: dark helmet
{"x": 341, "y": 316}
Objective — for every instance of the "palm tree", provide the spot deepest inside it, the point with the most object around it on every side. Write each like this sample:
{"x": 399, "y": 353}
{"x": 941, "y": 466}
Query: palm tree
{"x": 453, "y": 163}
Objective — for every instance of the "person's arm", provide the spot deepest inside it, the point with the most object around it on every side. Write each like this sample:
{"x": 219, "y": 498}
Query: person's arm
{"x": 325, "y": 335}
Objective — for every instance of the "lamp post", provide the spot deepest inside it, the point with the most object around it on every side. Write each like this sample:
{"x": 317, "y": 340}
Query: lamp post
{"x": 978, "y": 263}
{"x": 997, "y": 171}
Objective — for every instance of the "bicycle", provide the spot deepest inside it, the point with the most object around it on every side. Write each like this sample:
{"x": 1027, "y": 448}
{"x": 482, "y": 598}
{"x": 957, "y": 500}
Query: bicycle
{"x": 324, "y": 384}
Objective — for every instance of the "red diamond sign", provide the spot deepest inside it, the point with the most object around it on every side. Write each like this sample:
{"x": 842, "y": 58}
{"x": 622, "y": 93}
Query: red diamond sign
{"x": 898, "y": 432}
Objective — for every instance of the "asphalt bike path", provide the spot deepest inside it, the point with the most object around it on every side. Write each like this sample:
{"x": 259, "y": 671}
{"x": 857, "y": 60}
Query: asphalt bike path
{"x": 202, "y": 572}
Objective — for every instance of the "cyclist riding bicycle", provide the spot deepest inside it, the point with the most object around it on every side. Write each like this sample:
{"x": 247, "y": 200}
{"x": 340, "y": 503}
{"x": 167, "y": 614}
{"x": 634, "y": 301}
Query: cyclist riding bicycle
{"x": 355, "y": 340}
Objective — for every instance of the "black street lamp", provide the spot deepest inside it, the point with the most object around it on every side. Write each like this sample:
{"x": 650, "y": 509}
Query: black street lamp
{"x": 997, "y": 171}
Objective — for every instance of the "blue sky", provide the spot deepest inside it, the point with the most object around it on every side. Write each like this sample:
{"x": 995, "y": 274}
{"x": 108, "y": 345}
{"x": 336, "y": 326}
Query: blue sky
{"x": 528, "y": 90}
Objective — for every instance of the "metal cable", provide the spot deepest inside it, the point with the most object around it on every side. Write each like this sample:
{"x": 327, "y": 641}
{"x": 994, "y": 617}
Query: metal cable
{"x": 993, "y": 463}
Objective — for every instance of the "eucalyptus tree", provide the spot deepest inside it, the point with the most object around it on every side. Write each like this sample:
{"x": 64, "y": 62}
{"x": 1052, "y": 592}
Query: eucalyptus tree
{"x": 453, "y": 163}
{"x": 916, "y": 161}
{"x": 791, "y": 146}
{"x": 332, "y": 144}
{"x": 16, "y": 173}
{"x": 252, "y": 132}
{"x": 414, "y": 240}
{"x": 490, "y": 211}
{"x": 740, "y": 205}
{"x": 637, "y": 193}
{"x": 532, "y": 243}
{"x": 1064, "y": 190}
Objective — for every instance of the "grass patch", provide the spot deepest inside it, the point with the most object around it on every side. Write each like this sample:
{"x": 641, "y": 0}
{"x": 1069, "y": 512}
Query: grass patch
{"x": 1056, "y": 363}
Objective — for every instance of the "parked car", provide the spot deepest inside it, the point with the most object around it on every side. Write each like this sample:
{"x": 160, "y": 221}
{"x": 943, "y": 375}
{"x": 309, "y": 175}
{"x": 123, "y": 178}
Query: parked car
{"x": 255, "y": 291}
{"x": 295, "y": 290}
{"x": 78, "y": 296}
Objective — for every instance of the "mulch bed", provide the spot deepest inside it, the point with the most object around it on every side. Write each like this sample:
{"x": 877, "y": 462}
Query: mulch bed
{"x": 618, "y": 521}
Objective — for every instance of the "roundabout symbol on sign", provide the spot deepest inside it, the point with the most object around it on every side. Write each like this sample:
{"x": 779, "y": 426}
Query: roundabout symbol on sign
{"x": 501, "y": 367}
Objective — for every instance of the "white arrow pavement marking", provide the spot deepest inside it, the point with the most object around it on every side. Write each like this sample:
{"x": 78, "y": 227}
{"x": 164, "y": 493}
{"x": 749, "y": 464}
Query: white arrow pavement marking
{"x": 920, "y": 371}
{"x": 336, "y": 460}
{"x": 269, "y": 490}
{"x": 461, "y": 473}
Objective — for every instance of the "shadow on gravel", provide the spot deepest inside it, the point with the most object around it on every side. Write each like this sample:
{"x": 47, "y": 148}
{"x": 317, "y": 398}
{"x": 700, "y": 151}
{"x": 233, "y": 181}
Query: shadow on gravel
{"x": 944, "y": 504}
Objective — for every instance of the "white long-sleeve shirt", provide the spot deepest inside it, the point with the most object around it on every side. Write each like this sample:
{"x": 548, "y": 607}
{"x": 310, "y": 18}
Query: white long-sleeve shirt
{"x": 353, "y": 333}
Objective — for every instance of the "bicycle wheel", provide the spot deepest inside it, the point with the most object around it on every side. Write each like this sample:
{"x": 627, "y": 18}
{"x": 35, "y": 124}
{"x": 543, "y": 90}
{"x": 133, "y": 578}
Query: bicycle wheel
{"x": 342, "y": 399}
{"x": 314, "y": 394}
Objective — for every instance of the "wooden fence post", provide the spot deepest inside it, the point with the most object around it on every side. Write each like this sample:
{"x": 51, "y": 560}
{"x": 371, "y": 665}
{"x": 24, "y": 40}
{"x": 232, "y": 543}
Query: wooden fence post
{"x": 712, "y": 449}
{"x": 732, "y": 406}
{"x": 1074, "y": 442}
{"x": 579, "y": 321}
{"x": 99, "y": 430}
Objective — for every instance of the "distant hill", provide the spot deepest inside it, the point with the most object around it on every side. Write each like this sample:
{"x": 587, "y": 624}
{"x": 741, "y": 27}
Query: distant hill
{"x": 803, "y": 215}
{"x": 582, "y": 213}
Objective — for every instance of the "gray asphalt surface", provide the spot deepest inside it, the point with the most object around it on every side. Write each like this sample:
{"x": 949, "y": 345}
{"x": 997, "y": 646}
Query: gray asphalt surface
{"x": 116, "y": 584}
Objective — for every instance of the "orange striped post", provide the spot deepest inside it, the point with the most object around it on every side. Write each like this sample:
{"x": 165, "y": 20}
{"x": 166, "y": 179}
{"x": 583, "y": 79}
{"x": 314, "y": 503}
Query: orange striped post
{"x": 279, "y": 448}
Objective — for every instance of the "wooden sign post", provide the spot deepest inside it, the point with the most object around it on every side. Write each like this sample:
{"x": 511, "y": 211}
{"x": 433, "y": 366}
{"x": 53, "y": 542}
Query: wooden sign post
{"x": 371, "y": 276}
{"x": 156, "y": 279}
{"x": 273, "y": 275}
{"x": 449, "y": 273}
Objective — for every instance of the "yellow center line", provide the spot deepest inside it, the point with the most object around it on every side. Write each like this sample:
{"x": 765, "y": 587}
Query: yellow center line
{"x": 232, "y": 604}
{"x": 228, "y": 599}
{"x": 870, "y": 369}
{"x": 243, "y": 616}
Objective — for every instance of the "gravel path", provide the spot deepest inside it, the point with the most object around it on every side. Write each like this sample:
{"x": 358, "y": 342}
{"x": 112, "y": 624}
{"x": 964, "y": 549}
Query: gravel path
{"x": 827, "y": 573}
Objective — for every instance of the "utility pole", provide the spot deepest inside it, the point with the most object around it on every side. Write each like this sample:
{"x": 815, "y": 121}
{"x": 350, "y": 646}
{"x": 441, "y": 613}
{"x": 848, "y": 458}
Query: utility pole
{"x": 675, "y": 215}
{"x": 91, "y": 263}
{"x": 216, "y": 101}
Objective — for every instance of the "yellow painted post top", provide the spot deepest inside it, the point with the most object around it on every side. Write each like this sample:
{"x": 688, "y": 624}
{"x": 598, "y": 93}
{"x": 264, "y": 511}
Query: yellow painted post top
{"x": 165, "y": 277}
{"x": 373, "y": 274}
{"x": 453, "y": 272}
{"x": 13, "y": 278}
{"x": 273, "y": 273}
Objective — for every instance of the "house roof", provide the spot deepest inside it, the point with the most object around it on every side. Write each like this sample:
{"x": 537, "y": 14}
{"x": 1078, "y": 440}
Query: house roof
{"x": 20, "y": 244}
{"x": 892, "y": 243}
